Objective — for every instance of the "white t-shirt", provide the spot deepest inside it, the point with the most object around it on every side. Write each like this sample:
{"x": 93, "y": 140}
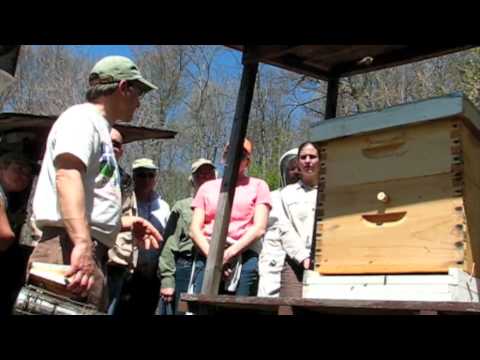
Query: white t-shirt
{"x": 82, "y": 131}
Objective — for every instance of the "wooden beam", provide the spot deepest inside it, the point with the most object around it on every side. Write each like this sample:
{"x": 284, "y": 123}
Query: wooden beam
{"x": 332, "y": 99}
{"x": 373, "y": 307}
{"x": 131, "y": 133}
{"x": 271, "y": 52}
{"x": 398, "y": 57}
{"x": 288, "y": 61}
{"x": 213, "y": 270}
{"x": 330, "y": 113}
{"x": 285, "y": 57}
{"x": 296, "y": 64}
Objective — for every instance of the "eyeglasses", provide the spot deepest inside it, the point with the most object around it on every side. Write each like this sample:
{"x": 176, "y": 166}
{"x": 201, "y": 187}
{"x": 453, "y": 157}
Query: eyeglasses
{"x": 144, "y": 174}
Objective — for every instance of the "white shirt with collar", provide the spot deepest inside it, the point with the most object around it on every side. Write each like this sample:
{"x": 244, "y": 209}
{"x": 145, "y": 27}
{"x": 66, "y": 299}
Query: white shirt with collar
{"x": 297, "y": 219}
{"x": 157, "y": 211}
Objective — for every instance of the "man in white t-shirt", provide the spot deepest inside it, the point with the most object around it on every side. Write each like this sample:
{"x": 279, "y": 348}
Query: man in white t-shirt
{"x": 77, "y": 202}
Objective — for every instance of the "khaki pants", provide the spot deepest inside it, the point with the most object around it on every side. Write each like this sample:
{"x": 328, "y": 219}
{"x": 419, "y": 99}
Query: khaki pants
{"x": 55, "y": 247}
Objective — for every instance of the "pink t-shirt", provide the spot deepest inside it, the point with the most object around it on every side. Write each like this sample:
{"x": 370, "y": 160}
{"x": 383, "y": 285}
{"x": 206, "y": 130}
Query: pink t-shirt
{"x": 249, "y": 192}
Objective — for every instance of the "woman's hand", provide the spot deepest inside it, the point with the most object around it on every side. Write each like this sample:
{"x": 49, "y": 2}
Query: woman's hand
{"x": 229, "y": 254}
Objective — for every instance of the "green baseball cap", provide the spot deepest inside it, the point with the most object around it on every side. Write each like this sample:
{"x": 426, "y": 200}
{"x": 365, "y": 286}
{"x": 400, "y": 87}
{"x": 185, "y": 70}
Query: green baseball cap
{"x": 112, "y": 69}
{"x": 144, "y": 163}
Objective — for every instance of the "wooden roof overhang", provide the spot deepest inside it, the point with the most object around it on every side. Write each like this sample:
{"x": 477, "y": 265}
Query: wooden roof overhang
{"x": 9, "y": 58}
{"x": 11, "y": 122}
{"x": 327, "y": 62}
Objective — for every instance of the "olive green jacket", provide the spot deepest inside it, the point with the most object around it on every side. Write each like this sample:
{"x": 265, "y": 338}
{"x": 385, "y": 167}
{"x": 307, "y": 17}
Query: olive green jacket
{"x": 177, "y": 241}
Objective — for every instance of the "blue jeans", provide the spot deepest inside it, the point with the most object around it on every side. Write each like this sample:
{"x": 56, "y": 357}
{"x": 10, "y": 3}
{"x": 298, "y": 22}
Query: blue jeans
{"x": 248, "y": 282}
{"x": 117, "y": 276}
{"x": 182, "y": 277}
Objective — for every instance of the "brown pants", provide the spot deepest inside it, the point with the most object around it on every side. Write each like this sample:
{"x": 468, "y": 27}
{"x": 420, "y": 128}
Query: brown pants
{"x": 55, "y": 247}
{"x": 291, "y": 283}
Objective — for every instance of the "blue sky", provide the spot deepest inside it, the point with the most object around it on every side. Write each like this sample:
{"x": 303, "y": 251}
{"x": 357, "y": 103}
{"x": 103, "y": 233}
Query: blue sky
{"x": 99, "y": 51}
{"x": 229, "y": 60}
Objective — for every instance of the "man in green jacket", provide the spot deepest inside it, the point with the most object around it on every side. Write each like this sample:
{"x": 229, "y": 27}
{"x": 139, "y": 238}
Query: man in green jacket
{"x": 175, "y": 262}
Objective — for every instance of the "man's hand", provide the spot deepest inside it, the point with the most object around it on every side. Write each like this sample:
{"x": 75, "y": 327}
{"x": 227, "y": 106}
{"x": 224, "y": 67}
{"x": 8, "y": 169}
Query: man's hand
{"x": 82, "y": 267}
{"x": 143, "y": 232}
{"x": 167, "y": 294}
{"x": 146, "y": 234}
{"x": 71, "y": 200}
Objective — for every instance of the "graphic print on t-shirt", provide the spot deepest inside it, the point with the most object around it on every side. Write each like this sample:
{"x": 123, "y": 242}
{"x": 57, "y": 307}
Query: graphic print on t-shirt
{"x": 108, "y": 167}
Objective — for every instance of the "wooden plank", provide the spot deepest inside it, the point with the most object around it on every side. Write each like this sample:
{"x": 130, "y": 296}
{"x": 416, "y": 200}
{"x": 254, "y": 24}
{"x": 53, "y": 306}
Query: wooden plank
{"x": 270, "y": 52}
{"x": 381, "y": 292}
{"x": 433, "y": 109}
{"x": 332, "y": 61}
{"x": 314, "y": 278}
{"x": 471, "y": 195}
{"x": 335, "y": 54}
{"x": 343, "y": 306}
{"x": 425, "y": 240}
{"x": 395, "y": 58}
{"x": 33, "y": 122}
{"x": 213, "y": 269}
{"x": 330, "y": 113}
{"x": 292, "y": 61}
{"x": 457, "y": 285}
{"x": 391, "y": 154}
{"x": 332, "y": 99}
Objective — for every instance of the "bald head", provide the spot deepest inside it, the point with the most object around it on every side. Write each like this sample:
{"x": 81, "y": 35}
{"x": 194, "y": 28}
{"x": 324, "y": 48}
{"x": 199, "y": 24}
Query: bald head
{"x": 117, "y": 142}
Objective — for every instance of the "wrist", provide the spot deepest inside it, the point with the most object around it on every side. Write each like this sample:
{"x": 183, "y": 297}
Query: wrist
{"x": 82, "y": 241}
{"x": 235, "y": 249}
{"x": 205, "y": 245}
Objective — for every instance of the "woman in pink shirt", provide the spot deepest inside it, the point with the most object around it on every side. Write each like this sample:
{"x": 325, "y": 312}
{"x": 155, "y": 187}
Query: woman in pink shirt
{"x": 248, "y": 221}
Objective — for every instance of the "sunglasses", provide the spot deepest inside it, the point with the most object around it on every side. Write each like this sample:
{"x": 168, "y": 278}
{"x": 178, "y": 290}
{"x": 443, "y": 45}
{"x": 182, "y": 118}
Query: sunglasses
{"x": 144, "y": 174}
{"x": 117, "y": 144}
{"x": 23, "y": 169}
{"x": 140, "y": 92}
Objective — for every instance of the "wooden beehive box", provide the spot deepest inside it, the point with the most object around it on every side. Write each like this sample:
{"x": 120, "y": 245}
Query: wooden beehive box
{"x": 400, "y": 190}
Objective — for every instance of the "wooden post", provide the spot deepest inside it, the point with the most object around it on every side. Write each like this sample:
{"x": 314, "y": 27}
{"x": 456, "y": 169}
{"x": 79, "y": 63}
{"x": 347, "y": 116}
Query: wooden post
{"x": 330, "y": 112}
{"x": 332, "y": 97}
{"x": 213, "y": 270}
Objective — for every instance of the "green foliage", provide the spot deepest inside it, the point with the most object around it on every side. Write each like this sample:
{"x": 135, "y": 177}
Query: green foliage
{"x": 271, "y": 176}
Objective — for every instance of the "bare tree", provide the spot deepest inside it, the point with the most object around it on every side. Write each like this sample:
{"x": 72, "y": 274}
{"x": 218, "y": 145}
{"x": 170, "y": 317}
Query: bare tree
{"x": 49, "y": 79}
